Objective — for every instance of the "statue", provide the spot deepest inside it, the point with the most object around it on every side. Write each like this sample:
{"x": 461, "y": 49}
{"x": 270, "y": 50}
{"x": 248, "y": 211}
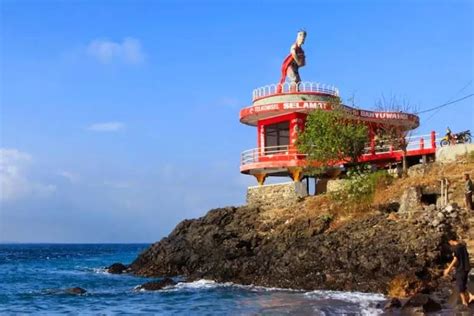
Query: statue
{"x": 293, "y": 62}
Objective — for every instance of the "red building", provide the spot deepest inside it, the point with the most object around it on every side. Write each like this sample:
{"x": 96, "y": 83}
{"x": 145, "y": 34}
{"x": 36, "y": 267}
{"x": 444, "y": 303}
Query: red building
{"x": 280, "y": 114}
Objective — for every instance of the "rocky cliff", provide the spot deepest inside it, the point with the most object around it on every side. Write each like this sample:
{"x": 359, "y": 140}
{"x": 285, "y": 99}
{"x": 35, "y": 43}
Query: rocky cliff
{"x": 397, "y": 246}
{"x": 234, "y": 244}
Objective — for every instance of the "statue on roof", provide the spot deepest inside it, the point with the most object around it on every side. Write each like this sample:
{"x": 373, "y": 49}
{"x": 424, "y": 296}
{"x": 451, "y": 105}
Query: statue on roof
{"x": 293, "y": 62}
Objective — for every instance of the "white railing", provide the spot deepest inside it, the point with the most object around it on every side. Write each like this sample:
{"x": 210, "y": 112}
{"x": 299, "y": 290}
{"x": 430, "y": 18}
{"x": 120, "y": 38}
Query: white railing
{"x": 415, "y": 142}
{"x": 253, "y": 155}
{"x": 287, "y": 87}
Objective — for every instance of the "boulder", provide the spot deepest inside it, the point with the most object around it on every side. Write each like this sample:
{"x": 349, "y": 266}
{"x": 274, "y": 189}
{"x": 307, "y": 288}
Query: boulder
{"x": 393, "y": 303}
{"x": 117, "y": 268}
{"x": 422, "y": 301}
{"x": 449, "y": 208}
{"x": 76, "y": 291}
{"x": 156, "y": 285}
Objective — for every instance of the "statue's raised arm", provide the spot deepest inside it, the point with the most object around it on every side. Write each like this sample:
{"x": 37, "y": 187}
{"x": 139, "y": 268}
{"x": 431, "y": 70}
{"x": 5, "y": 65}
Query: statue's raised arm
{"x": 293, "y": 62}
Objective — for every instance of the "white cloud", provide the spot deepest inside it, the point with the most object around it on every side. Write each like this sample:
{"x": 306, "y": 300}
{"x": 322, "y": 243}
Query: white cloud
{"x": 72, "y": 177}
{"x": 15, "y": 181}
{"x": 106, "y": 127}
{"x": 128, "y": 51}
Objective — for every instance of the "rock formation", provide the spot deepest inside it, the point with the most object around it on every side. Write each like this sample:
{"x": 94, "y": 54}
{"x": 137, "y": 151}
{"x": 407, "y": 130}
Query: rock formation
{"x": 156, "y": 285}
{"x": 232, "y": 244}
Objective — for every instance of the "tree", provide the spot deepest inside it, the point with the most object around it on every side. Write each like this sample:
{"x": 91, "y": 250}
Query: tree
{"x": 333, "y": 136}
{"x": 396, "y": 136}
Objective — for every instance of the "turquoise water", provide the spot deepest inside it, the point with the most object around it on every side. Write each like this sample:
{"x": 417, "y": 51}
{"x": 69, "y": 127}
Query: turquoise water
{"x": 33, "y": 278}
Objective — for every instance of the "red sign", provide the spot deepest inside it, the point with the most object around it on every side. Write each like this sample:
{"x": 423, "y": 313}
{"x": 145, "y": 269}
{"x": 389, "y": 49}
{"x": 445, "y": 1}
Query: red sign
{"x": 286, "y": 107}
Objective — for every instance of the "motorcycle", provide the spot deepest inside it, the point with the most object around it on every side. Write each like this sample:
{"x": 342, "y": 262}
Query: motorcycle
{"x": 459, "y": 138}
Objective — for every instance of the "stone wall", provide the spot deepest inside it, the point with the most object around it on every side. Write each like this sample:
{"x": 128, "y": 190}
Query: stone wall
{"x": 449, "y": 153}
{"x": 279, "y": 195}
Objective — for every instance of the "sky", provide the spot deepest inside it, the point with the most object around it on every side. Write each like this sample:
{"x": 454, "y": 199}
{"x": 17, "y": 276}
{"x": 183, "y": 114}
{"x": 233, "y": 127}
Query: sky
{"x": 119, "y": 119}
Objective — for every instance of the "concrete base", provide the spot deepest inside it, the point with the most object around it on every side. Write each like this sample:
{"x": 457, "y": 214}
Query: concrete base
{"x": 276, "y": 195}
{"x": 449, "y": 153}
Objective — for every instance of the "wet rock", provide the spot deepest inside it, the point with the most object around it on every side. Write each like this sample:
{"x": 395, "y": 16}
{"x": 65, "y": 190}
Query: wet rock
{"x": 117, "y": 268}
{"x": 156, "y": 285}
{"x": 76, "y": 291}
{"x": 423, "y": 301}
{"x": 393, "y": 303}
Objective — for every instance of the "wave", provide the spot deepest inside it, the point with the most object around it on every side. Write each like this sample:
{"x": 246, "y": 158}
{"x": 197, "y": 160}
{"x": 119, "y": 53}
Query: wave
{"x": 367, "y": 301}
{"x": 210, "y": 284}
{"x": 100, "y": 270}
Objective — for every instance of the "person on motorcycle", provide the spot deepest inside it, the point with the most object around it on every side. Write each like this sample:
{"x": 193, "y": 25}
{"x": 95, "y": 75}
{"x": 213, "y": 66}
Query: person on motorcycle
{"x": 449, "y": 135}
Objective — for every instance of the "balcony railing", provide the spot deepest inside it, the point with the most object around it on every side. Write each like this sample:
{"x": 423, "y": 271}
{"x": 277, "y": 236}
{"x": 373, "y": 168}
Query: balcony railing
{"x": 276, "y": 153}
{"x": 285, "y": 88}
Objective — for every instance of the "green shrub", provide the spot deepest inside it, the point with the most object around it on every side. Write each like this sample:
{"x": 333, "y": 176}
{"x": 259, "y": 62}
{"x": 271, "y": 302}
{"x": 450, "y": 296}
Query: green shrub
{"x": 361, "y": 184}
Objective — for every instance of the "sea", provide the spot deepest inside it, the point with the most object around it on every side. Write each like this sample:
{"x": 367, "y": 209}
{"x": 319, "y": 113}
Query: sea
{"x": 34, "y": 279}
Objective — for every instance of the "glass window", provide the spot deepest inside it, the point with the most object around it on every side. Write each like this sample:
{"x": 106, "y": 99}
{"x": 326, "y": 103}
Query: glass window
{"x": 277, "y": 137}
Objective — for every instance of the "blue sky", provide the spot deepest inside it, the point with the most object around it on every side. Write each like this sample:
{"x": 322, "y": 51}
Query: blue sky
{"x": 119, "y": 119}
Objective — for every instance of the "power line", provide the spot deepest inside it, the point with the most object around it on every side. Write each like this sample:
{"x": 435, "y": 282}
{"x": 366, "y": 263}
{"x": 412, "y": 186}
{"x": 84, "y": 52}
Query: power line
{"x": 450, "y": 99}
{"x": 446, "y": 104}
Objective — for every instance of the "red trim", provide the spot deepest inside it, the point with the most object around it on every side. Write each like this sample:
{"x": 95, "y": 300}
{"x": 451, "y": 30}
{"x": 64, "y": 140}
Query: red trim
{"x": 284, "y": 108}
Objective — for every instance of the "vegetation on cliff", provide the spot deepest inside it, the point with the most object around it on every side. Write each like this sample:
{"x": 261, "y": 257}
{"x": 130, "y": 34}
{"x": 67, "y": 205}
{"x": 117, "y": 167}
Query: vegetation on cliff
{"x": 329, "y": 136}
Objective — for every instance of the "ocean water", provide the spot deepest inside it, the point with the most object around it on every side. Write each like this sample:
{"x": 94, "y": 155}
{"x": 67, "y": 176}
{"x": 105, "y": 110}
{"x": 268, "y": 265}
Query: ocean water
{"x": 33, "y": 278}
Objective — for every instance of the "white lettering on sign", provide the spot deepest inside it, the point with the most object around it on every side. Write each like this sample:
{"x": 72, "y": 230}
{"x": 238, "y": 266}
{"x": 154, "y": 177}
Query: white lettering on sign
{"x": 367, "y": 114}
{"x": 266, "y": 107}
{"x": 304, "y": 105}
{"x": 321, "y": 105}
{"x": 384, "y": 115}
{"x": 291, "y": 105}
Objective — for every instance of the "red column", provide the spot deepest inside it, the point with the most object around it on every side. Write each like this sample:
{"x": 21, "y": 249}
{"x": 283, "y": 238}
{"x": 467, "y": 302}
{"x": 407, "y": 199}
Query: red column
{"x": 422, "y": 143}
{"x": 433, "y": 139}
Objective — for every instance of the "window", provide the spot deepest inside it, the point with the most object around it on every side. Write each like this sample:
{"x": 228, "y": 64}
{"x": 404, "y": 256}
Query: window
{"x": 277, "y": 137}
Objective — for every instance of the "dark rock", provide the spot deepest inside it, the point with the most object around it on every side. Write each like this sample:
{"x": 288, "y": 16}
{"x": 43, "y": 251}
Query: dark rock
{"x": 423, "y": 301}
{"x": 156, "y": 285}
{"x": 237, "y": 245}
{"x": 389, "y": 207}
{"x": 117, "y": 268}
{"x": 393, "y": 303}
{"x": 76, "y": 291}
